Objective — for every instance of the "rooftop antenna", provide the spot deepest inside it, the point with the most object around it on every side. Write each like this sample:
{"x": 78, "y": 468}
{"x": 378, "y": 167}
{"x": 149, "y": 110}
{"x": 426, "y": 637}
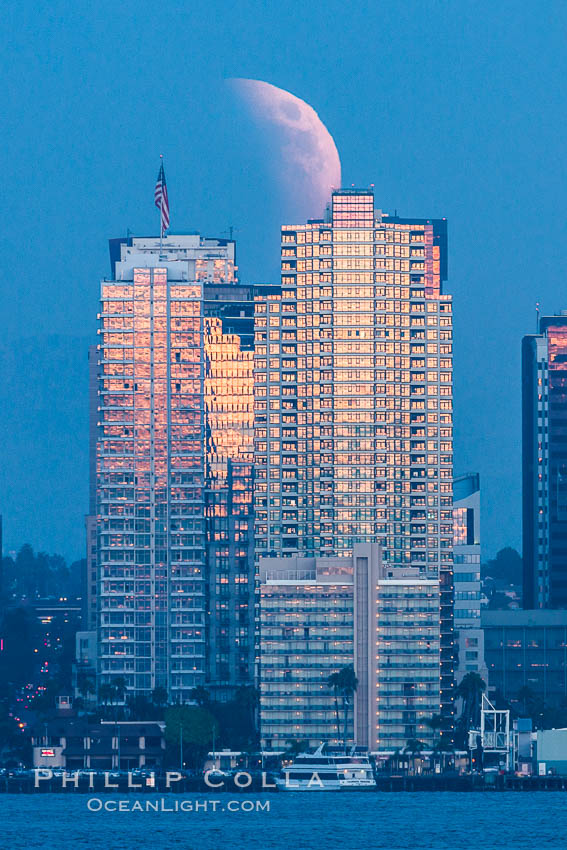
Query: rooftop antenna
{"x": 537, "y": 316}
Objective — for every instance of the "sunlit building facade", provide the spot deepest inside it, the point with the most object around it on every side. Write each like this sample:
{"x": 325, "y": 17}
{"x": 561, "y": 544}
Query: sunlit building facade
{"x": 544, "y": 459}
{"x": 353, "y": 387}
{"x": 229, "y": 446}
{"x": 90, "y": 578}
{"x": 175, "y": 601}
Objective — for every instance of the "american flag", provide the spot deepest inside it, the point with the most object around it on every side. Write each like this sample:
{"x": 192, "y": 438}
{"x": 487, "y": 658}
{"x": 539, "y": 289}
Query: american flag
{"x": 161, "y": 201}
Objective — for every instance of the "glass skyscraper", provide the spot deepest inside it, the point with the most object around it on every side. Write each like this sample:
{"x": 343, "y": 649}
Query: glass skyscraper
{"x": 353, "y": 396}
{"x": 174, "y": 544}
{"x": 544, "y": 458}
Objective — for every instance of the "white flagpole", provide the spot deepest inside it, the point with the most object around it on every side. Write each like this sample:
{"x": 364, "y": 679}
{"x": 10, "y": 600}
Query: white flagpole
{"x": 160, "y": 207}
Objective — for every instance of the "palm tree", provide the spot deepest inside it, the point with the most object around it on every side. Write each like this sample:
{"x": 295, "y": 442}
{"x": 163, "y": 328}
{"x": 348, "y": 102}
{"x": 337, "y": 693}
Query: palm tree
{"x": 413, "y": 747}
{"x": 334, "y": 682}
{"x": 85, "y": 685}
{"x": 348, "y": 685}
{"x": 470, "y": 690}
{"x": 106, "y": 695}
{"x": 140, "y": 708}
{"x": 294, "y": 747}
{"x": 461, "y": 734}
{"x": 435, "y": 722}
{"x": 119, "y": 688}
{"x": 200, "y": 695}
{"x": 246, "y": 697}
{"x": 159, "y": 697}
{"x": 79, "y": 704}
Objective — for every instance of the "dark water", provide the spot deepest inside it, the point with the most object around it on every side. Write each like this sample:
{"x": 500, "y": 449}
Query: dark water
{"x": 318, "y": 821}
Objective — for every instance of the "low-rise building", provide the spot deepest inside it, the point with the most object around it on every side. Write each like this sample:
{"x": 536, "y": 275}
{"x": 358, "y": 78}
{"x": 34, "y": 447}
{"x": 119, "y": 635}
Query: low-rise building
{"x": 551, "y": 751}
{"x": 74, "y": 744}
{"x": 307, "y": 633}
{"x": 526, "y": 654}
{"x": 319, "y": 615}
{"x": 402, "y": 626}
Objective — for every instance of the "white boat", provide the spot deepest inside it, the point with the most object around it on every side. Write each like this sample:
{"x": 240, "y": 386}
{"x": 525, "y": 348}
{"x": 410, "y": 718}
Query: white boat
{"x": 355, "y": 772}
{"x": 320, "y": 771}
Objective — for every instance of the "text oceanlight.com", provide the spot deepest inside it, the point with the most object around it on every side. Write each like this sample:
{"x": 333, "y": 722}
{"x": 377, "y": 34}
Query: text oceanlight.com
{"x": 162, "y": 804}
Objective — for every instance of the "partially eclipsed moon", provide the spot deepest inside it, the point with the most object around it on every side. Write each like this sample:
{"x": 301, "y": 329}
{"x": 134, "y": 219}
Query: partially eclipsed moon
{"x": 312, "y": 168}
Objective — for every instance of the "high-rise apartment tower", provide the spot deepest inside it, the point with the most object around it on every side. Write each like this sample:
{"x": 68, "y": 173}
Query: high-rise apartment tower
{"x": 544, "y": 458}
{"x": 353, "y": 396}
{"x": 175, "y": 583}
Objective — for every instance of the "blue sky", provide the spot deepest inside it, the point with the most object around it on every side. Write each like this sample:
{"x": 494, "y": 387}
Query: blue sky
{"x": 450, "y": 109}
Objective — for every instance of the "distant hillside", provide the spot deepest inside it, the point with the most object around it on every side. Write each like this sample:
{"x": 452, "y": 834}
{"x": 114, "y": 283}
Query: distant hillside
{"x": 506, "y": 567}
